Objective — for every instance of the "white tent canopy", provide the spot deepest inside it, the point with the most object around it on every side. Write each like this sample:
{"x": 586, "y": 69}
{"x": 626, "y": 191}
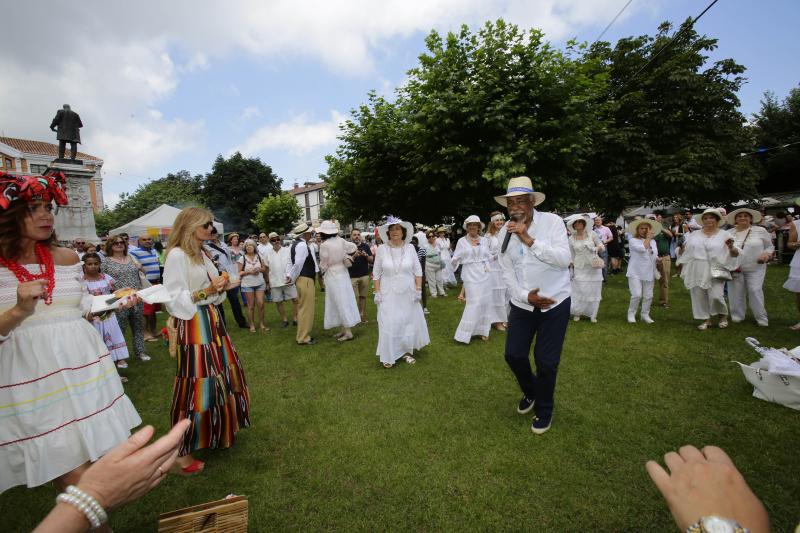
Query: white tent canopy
{"x": 161, "y": 218}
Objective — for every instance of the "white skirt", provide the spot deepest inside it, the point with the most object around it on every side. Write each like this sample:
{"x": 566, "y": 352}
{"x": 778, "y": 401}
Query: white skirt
{"x": 475, "y": 318}
{"x": 401, "y": 326}
{"x": 498, "y": 300}
{"x": 61, "y": 400}
{"x": 586, "y": 294}
{"x": 448, "y": 274}
{"x": 341, "y": 308}
{"x": 793, "y": 281}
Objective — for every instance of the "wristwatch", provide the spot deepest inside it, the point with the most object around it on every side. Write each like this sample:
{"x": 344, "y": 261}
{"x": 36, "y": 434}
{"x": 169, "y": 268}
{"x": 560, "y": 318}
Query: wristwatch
{"x": 716, "y": 524}
{"x": 201, "y": 295}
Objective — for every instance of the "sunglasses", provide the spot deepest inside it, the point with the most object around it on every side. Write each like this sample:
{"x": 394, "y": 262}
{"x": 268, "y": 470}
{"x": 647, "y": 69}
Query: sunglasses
{"x": 207, "y": 224}
{"x": 274, "y": 240}
{"x": 117, "y": 242}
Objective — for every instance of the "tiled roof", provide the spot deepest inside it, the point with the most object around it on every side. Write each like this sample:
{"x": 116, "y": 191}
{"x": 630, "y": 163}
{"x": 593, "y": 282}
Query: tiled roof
{"x": 40, "y": 148}
{"x": 308, "y": 188}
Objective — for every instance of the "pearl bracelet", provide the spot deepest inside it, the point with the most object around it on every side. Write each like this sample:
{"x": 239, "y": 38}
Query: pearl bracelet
{"x": 91, "y": 502}
{"x": 91, "y": 516}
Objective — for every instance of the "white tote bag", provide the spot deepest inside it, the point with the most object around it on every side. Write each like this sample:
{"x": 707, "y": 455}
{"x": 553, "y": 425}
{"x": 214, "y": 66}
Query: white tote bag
{"x": 776, "y": 388}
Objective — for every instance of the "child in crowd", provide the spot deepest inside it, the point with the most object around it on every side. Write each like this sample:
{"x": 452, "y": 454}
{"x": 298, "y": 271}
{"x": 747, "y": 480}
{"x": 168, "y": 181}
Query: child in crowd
{"x": 106, "y": 324}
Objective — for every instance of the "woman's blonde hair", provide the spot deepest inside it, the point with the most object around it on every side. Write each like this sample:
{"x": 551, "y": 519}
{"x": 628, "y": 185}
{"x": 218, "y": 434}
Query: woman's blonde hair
{"x": 182, "y": 235}
{"x": 490, "y": 229}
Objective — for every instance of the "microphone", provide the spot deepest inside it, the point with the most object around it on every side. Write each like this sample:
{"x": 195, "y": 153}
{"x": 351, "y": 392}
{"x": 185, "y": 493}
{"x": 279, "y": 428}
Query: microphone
{"x": 513, "y": 218}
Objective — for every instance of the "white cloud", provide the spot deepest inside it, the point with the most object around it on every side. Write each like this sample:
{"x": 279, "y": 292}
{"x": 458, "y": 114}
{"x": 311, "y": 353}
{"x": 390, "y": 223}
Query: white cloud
{"x": 250, "y": 112}
{"x": 298, "y": 136}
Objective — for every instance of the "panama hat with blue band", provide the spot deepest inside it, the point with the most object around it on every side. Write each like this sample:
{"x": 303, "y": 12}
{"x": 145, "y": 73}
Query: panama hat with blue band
{"x": 517, "y": 187}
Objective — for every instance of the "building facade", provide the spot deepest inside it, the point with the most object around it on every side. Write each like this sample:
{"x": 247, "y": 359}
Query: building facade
{"x": 311, "y": 197}
{"x": 24, "y": 156}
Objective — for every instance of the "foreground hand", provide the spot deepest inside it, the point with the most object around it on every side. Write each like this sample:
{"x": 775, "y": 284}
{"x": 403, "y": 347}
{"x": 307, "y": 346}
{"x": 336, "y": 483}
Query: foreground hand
{"x": 539, "y": 302}
{"x": 131, "y": 469}
{"x": 28, "y": 294}
{"x": 516, "y": 227}
{"x": 707, "y": 483}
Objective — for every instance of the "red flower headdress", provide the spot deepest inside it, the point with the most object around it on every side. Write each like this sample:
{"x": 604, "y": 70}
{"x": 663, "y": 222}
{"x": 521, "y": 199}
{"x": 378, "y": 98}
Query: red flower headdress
{"x": 48, "y": 188}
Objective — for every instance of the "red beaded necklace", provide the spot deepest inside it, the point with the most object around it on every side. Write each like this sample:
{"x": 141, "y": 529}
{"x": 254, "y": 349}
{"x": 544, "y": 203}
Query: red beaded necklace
{"x": 46, "y": 270}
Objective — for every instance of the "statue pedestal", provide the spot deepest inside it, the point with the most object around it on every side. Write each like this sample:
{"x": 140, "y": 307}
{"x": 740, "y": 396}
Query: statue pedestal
{"x": 77, "y": 218}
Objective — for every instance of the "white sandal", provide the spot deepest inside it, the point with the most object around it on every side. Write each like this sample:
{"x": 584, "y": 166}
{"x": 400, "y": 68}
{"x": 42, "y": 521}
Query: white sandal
{"x": 408, "y": 359}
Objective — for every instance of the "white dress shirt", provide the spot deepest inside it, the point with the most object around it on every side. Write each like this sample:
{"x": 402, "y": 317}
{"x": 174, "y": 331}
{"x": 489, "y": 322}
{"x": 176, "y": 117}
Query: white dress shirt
{"x": 300, "y": 254}
{"x": 543, "y": 266}
{"x": 278, "y": 263}
{"x": 642, "y": 262}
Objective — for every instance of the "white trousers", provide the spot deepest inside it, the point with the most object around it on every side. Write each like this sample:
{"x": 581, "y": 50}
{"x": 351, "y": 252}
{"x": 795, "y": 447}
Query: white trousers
{"x": 709, "y": 302}
{"x": 749, "y": 286}
{"x": 641, "y": 291}
{"x": 435, "y": 278}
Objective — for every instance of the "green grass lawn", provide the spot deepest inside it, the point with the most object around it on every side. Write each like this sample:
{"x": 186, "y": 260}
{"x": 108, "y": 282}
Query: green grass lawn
{"x": 339, "y": 443}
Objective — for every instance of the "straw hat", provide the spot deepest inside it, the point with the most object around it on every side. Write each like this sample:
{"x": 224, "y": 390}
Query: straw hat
{"x": 328, "y": 227}
{"x": 273, "y": 235}
{"x": 473, "y": 219}
{"x": 383, "y": 231}
{"x": 633, "y": 227}
{"x": 710, "y": 211}
{"x": 517, "y": 187}
{"x": 302, "y": 228}
{"x": 441, "y": 229}
{"x": 755, "y": 215}
{"x": 586, "y": 220}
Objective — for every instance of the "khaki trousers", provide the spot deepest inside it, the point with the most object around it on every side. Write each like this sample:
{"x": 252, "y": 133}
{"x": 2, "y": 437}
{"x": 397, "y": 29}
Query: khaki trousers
{"x": 664, "y": 266}
{"x": 305, "y": 308}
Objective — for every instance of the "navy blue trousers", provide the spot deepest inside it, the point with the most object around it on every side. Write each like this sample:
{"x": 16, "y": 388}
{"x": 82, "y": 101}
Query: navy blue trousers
{"x": 549, "y": 328}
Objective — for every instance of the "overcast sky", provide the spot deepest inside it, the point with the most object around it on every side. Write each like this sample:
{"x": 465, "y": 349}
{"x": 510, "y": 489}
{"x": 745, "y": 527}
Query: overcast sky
{"x": 165, "y": 86}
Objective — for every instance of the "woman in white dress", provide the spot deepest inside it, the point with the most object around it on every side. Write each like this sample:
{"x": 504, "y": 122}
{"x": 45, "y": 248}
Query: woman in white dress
{"x": 642, "y": 267}
{"x": 708, "y": 256}
{"x": 397, "y": 274}
{"x": 443, "y": 243}
{"x": 341, "y": 308}
{"x": 756, "y": 248}
{"x": 793, "y": 282}
{"x": 433, "y": 267}
{"x": 587, "y": 281}
{"x": 498, "y": 302}
{"x": 473, "y": 254}
{"x": 62, "y": 404}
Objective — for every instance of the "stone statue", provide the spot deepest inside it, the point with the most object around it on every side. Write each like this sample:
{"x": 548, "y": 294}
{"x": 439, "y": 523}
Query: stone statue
{"x": 69, "y": 125}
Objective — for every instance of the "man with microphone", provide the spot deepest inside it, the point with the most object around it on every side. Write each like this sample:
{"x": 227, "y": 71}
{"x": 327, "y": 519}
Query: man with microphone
{"x": 535, "y": 258}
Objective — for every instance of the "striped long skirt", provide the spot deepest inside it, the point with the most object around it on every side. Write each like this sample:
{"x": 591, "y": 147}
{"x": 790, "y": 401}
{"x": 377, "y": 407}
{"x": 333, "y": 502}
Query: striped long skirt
{"x": 210, "y": 388}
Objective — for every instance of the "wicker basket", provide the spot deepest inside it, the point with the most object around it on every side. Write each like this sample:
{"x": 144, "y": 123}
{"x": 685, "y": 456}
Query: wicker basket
{"x": 221, "y": 516}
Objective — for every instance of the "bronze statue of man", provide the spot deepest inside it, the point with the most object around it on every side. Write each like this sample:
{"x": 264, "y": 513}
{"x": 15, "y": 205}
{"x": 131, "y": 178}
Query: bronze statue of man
{"x": 69, "y": 125}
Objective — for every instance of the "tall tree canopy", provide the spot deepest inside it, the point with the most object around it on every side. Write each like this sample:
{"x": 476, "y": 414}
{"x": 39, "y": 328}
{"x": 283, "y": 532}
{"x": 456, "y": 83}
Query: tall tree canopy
{"x": 234, "y": 188}
{"x": 778, "y": 124}
{"x": 277, "y": 213}
{"x": 480, "y": 107}
{"x": 180, "y": 189}
{"x": 673, "y": 132}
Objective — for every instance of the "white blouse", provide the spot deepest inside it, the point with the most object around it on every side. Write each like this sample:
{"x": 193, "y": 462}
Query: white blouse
{"x": 584, "y": 249}
{"x": 396, "y": 268}
{"x": 642, "y": 263}
{"x": 182, "y": 277}
{"x": 752, "y": 242}
{"x": 474, "y": 259}
{"x": 332, "y": 256}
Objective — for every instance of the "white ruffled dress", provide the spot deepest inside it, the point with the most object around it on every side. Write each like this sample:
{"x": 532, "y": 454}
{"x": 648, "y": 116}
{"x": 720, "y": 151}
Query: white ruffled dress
{"x": 474, "y": 261}
{"x": 401, "y": 322}
{"x": 61, "y": 400}
{"x": 499, "y": 305}
{"x": 341, "y": 308}
{"x": 587, "y": 282}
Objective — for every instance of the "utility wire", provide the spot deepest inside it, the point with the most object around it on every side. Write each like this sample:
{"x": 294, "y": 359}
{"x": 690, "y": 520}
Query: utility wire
{"x": 613, "y": 21}
{"x": 762, "y": 150}
{"x": 671, "y": 42}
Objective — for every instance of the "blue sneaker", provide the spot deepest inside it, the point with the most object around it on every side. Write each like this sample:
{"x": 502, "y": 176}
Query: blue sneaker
{"x": 525, "y": 405}
{"x": 540, "y": 425}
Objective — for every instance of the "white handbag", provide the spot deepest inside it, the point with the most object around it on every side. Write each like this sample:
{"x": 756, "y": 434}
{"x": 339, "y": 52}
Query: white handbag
{"x": 777, "y": 387}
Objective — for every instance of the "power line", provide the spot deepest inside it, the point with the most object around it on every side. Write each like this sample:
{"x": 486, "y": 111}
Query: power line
{"x": 671, "y": 41}
{"x": 613, "y": 21}
{"x": 762, "y": 150}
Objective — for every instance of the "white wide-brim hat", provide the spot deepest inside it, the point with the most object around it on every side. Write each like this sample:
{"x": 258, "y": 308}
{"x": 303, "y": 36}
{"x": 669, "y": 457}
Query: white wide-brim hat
{"x": 710, "y": 211}
{"x": 755, "y": 215}
{"x": 633, "y": 227}
{"x": 586, "y": 220}
{"x": 473, "y": 219}
{"x": 517, "y": 187}
{"x": 328, "y": 227}
{"x": 302, "y": 228}
{"x": 350, "y": 247}
{"x": 383, "y": 231}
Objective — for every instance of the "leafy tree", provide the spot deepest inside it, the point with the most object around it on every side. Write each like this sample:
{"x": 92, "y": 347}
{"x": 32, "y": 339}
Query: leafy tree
{"x": 180, "y": 189}
{"x": 278, "y": 213}
{"x": 778, "y": 124}
{"x": 235, "y": 187}
{"x": 672, "y": 130}
{"x": 478, "y": 109}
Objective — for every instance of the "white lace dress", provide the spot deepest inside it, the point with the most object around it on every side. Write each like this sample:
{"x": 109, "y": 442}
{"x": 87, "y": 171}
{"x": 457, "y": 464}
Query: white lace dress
{"x": 474, "y": 261}
{"x": 448, "y": 273}
{"x": 587, "y": 282}
{"x": 61, "y": 399}
{"x": 401, "y": 322}
{"x": 498, "y": 301}
{"x": 341, "y": 308}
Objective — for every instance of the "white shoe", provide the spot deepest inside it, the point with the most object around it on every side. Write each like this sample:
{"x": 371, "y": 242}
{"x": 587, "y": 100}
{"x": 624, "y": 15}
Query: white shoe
{"x": 593, "y": 320}
{"x": 631, "y": 318}
{"x": 425, "y": 311}
{"x": 576, "y": 318}
{"x": 647, "y": 320}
